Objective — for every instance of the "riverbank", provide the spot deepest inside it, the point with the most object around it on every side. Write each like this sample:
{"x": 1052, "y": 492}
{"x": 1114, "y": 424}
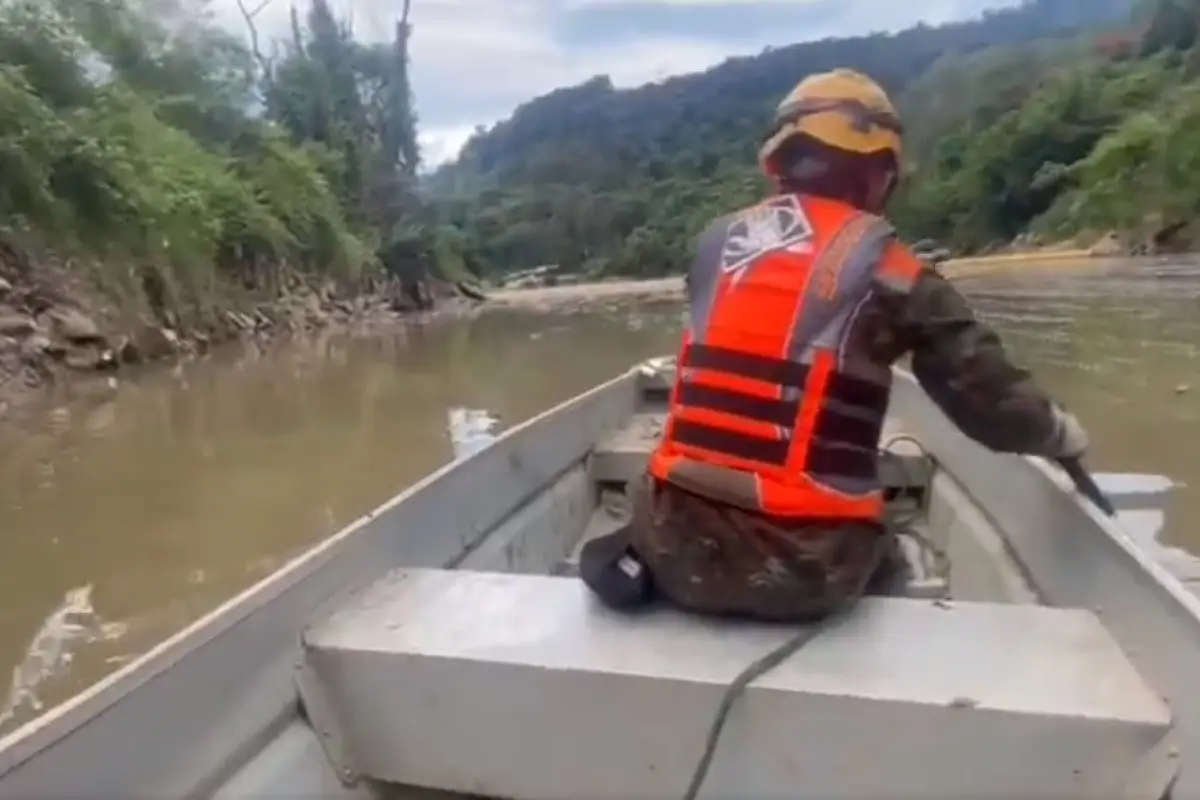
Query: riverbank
{"x": 587, "y": 295}
{"x": 189, "y": 484}
{"x": 57, "y": 330}
{"x": 556, "y": 297}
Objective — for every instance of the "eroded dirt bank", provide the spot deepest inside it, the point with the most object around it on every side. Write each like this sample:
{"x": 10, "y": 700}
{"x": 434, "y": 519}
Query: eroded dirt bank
{"x": 56, "y": 330}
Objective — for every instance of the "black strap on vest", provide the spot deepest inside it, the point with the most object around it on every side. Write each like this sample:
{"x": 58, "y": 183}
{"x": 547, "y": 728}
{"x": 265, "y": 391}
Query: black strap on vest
{"x": 847, "y": 428}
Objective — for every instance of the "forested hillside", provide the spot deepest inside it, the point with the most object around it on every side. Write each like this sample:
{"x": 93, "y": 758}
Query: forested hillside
{"x": 150, "y": 154}
{"x": 1030, "y": 118}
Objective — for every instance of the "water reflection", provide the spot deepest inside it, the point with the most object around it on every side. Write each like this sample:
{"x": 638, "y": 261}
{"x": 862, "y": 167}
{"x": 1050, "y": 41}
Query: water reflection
{"x": 183, "y": 488}
{"x": 73, "y": 624}
{"x": 1119, "y": 345}
{"x": 471, "y": 430}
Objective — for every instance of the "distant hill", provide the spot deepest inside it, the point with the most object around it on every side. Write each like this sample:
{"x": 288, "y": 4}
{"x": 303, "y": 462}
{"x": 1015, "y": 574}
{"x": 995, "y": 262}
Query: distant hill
{"x": 594, "y": 132}
{"x": 616, "y": 180}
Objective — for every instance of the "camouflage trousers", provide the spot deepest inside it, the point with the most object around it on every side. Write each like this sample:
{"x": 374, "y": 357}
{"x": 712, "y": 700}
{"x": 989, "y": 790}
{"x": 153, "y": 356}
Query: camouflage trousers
{"x": 717, "y": 559}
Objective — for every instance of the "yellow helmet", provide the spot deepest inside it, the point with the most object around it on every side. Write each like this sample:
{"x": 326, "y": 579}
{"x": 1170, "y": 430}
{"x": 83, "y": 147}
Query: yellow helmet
{"x": 843, "y": 109}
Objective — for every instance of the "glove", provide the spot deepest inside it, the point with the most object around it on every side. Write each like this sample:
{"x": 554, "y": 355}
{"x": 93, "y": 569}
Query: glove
{"x": 1070, "y": 440}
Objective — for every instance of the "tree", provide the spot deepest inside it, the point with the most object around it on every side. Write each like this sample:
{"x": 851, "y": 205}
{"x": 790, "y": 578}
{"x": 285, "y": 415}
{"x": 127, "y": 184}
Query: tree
{"x": 134, "y": 139}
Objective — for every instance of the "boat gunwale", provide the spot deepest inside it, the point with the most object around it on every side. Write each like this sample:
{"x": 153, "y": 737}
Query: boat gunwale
{"x": 1161, "y": 577}
{"x": 38, "y": 735}
{"x": 1114, "y": 533}
{"x": 1111, "y": 526}
{"x": 1049, "y": 528}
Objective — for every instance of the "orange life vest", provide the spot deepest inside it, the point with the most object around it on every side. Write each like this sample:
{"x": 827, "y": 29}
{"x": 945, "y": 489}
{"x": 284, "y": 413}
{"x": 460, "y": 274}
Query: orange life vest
{"x": 771, "y": 410}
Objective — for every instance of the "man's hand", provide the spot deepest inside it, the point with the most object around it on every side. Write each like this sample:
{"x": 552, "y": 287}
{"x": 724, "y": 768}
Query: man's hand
{"x": 1070, "y": 439}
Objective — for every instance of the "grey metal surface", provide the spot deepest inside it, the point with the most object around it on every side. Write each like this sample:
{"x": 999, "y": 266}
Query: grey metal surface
{"x": 980, "y": 565}
{"x": 541, "y": 533}
{"x": 290, "y": 766}
{"x": 1076, "y": 557}
{"x": 612, "y": 512}
{"x": 622, "y": 456}
{"x": 180, "y": 720}
{"x": 1141, "y": 503}
{"x": 432, "y": 672}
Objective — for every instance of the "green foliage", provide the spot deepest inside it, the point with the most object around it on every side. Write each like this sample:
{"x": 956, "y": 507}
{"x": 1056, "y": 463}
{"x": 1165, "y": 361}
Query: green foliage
{"x": 141, "y": 136}
{"x": 131, "y": 136}
{"x": 1016, "y": 120}
{"x": 1099, "y": 146}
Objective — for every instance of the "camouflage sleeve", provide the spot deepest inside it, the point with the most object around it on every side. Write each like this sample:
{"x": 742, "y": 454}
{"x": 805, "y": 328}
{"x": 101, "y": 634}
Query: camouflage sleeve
{"x": 961, "y": 363}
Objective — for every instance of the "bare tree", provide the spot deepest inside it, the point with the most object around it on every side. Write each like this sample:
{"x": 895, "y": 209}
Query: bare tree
{"x": 249, "y": 14}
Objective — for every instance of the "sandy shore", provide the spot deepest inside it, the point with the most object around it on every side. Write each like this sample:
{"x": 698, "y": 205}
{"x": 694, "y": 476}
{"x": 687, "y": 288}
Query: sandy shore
{"x": 553, "y": 296}
{"x": 1046, "y": 259}
{"x": 672, "y": 287}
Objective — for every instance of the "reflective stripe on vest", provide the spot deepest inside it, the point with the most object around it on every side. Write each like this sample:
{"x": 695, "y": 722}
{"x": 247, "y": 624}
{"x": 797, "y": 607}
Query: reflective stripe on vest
{"x": 766, "y": 391}
{"x": 850, "y": 414}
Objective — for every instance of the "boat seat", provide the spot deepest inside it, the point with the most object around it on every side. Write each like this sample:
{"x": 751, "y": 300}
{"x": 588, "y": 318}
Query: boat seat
{"x": 521, "y": 686}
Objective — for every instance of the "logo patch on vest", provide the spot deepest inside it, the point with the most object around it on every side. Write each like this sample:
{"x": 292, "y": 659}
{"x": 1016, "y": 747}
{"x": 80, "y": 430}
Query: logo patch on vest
{"x": 778, "y": 224}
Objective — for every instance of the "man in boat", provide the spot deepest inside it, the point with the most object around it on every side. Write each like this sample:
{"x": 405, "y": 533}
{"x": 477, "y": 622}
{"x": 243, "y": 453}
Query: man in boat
{"x": 762, "y": 498}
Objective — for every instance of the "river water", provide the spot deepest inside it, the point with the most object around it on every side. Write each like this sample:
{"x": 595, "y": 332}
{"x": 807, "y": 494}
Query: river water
{"x": 125, "y": 516}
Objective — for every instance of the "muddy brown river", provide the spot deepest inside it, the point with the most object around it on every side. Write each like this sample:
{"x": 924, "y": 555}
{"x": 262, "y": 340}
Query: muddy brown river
{"x": 125, "y": 516}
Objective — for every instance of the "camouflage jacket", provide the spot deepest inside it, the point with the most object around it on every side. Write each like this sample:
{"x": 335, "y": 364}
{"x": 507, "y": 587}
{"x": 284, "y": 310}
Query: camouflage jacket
{"x": 961, "y": 363}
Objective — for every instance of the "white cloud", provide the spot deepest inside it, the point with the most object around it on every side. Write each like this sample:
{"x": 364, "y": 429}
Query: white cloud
{"x": 473, "y": 61}
{"x": 518, "y": 80}
{"x": 439, "y": 145}
{"x": 586, "y": 3}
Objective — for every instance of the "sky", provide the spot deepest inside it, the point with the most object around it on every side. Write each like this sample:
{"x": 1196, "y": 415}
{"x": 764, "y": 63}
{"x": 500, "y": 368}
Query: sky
{"x": 474, "y": 61}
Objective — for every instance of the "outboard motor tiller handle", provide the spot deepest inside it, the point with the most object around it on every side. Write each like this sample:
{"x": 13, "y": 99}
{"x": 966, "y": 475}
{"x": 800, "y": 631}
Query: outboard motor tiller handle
{"x": 1086, "y": 484}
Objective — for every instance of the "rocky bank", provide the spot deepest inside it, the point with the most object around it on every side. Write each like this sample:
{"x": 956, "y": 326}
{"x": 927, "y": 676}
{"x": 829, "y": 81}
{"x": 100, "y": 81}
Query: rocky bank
{"x": 52, "y": 332}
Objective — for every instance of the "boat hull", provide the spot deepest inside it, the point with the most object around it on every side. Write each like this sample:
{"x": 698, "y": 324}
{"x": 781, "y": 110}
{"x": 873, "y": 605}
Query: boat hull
{"x": 213, "y": 712}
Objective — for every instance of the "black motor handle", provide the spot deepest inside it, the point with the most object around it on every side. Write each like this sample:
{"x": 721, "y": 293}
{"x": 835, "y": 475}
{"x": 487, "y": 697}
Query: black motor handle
{"x": 1086, "y": 484}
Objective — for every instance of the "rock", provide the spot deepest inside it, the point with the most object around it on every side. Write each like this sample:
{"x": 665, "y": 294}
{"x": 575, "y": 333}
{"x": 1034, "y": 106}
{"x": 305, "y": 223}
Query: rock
{"x": 10, "y": 364}
{"x": 35, "y": 347}
{"x": 90, "y": 359}
{"x": 75, "y": 326}
{"x": 328, "y": 291}
{"x": 314, "y": 312}
{"x": 1170, "y": 238}
{"x": 239, "y": 320}
{"x": 5, "y": 288}
{"x": 14, "y": 324}
{"x": 128, "y": 351}
{"x": 157, "y": 342}
{"x": 470, "y": 291}
{"x": 1108, "y": 245}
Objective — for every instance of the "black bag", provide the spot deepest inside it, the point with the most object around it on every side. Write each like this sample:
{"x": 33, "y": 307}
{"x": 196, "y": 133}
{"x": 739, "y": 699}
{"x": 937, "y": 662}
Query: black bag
{"x": 611, "y": 568}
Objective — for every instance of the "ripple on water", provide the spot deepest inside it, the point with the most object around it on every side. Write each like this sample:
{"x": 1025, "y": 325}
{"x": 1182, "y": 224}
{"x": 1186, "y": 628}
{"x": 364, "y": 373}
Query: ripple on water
{"x": 74, "y": 623}
{"x": 471, "y": 430}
